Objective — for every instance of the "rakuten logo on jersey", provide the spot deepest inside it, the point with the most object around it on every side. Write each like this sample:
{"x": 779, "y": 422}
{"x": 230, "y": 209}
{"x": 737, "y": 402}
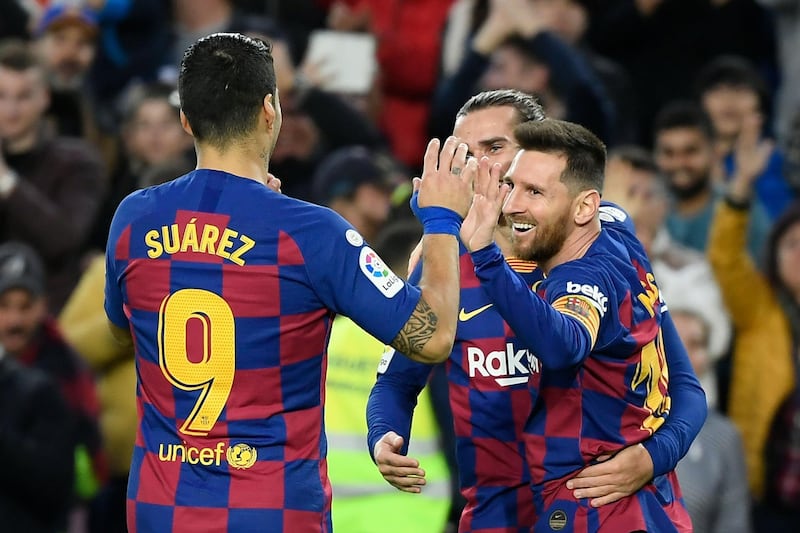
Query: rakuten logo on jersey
{"x": 509, "y": 367}
{"x": 597, "y": 298}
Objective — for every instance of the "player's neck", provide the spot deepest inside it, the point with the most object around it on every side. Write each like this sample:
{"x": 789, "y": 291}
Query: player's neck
{"x": 575, "y": 246}
{"x": 240, "y": 160}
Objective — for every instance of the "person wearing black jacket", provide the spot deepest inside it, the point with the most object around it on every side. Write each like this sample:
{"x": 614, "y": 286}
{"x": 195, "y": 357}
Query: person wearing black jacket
{"x": 36, "y": 444}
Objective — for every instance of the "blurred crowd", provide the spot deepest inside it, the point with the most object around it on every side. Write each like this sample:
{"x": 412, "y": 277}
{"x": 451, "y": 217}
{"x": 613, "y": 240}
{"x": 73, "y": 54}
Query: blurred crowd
{"x": 698, "y": 102}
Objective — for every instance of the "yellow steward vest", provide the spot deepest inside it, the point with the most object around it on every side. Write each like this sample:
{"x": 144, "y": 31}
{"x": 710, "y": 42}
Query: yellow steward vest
{"x": 363, "y": 502}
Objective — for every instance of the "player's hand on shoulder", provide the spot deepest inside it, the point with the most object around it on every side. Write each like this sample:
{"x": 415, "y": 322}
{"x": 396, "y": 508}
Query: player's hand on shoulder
{"x": 273, "y": 183}
{"x": 613, "y": 478}
{"x": 400, "y": 471}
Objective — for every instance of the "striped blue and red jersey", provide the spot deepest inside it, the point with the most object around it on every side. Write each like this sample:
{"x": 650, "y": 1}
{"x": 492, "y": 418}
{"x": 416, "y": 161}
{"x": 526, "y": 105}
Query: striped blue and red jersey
{"x": 489, "y": 374}
{"x": 228, "y": 289}
{"x": 595, "y": 326}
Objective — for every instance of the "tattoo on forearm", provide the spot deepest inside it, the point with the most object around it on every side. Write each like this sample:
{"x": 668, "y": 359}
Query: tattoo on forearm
{"x": 418, "y": 330}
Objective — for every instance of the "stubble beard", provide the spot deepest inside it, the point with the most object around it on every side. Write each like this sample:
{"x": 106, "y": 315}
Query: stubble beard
{"x": 548, "y": 242}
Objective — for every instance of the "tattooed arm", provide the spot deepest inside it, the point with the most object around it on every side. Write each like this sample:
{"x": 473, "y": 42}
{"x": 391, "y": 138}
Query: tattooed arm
{"x": 428, "y": 334}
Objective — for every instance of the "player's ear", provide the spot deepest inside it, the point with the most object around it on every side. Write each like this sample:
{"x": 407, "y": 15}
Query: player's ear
{"x": 185, "y": 124}
{"x": 270, "y": 113}
{"x": 587, "y": 206}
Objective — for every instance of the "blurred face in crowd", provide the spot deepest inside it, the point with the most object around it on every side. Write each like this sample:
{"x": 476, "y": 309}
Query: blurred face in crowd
{"x": 374, "y": 203}
{"x": 67, "y": 52}
{"x": 685, "y": 156}
{"x": 647, "y": 187}
{"x": 567, "y": 18}
{"x": 510, "y": 69}
{"x": 21, "y": 314}
{"x": 23, "y": 101}
{"x": 788, "y": 252}
{"x": 727, "y": 105}
{"x": 694, "y": 334}
{"x": 155, "y": 135}
{"x": 539, "y": 207}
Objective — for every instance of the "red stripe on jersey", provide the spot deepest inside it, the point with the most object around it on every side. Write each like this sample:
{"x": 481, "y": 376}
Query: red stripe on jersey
{"x": 158, "y": 480}
{"x": 213, "y": 236}
{"x": 288, "y": 252}
{"x": 468, "y": 278}
{"x": 200, "y": 519}
{"x": 303, "y": 430}
{"x": 257, "y": 487}
{"x": 245, "y": 288}
{"x": 159, "y": 390}
{"x": 123, "y": 249}
{"x": 303, "y": 336}
{"x": 562, "y": 422}
{"x": 150, "y": 281}
{"x": 256, "y": 394}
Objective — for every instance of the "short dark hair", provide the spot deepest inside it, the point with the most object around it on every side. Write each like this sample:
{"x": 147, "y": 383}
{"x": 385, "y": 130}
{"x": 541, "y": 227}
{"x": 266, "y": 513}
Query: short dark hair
{"x": 638, "y": 157}
{"x": 395, "y": 241}
{"x": 585, "y": 152}
{"x": 222, "y": 84}
{"x": 683, "y": 114}
{"x": 526, "y": 105}
{"x": 140, "y": 94}
{"x": 18, "y": 56}
{"x": 732, "y": 71}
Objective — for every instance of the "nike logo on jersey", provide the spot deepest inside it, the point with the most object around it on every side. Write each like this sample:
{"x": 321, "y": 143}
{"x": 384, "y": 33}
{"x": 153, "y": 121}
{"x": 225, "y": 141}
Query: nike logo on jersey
{"x": 463, "y": 315}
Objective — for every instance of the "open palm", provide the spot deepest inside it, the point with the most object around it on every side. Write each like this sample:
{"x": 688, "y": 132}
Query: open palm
{"x": 477, "y": 230}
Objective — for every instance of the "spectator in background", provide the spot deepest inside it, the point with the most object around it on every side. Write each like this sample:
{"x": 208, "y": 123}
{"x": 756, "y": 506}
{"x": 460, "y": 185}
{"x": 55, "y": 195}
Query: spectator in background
{"x": 664, "y": 43}
{"x": 358, "y": 185}
{"x": 513, "y": 48}
{"x": 633, "y": 182}
{"x": 787, "y": 21}
{"x": 50, "y": 187}
{"x": 134, "y": 39}
{"x": 684, "y": 153}
{"x": 15, "y": 20}
{"x": 730, "y": 91}
{"x": 31, "y": 336}
{"x": 151, "y": 136}
{"x": 36, "y": 437}
{"x": 569, "y": 19}
{"x": 361, "y": 499}
{"x": 316, "y": 122}
{"x": 408, "y": 34}
{"x": 66, "y": 44}
{"x": 765, "y": 383}
{"x": 712, "y": 475}
{"x": 84, "y": 324}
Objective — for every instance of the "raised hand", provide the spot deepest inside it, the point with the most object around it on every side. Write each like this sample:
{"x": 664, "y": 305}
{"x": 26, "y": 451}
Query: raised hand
{"x": 400, "y": 471}
{"x": 751, "y": 154}
{"x": 477, "y": 230}
{"x": 447, "y": 176}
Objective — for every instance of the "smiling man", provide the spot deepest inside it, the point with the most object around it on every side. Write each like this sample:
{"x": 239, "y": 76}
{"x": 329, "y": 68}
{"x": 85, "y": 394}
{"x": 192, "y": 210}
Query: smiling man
{"x": 594, "y": 323}
{"x": 494, "y": 377}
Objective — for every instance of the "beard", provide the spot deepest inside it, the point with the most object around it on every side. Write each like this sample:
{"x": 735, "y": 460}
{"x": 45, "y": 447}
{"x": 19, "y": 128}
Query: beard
{"x": 690, "y": 190}
{"x": 548, "y": 242}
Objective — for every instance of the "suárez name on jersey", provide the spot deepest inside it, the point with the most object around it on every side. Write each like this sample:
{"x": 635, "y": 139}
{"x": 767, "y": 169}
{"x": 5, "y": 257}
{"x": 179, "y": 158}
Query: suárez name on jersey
{"x": 205, "y": 239}
{"x": 508, "y": 367}
{"x": 597, "y": 298}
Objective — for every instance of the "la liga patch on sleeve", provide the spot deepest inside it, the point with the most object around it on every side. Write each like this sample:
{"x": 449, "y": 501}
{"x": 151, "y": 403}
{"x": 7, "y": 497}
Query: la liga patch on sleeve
{"x": 378, "y": 273}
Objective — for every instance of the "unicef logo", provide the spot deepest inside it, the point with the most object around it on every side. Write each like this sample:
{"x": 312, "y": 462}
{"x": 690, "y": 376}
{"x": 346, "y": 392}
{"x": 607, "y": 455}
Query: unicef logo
{"x": 375, "y": 266}
{"x": 241, "y": 456}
